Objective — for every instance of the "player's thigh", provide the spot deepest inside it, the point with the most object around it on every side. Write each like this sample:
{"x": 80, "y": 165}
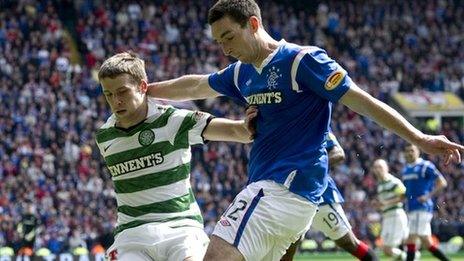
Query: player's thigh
{"x": 133, "y": 255}
{"x": 419, "y": 223}
{"x": 394, "y": 230}
{"x": 291, "y": 251}
{"x": 265, "y": 217}
{"x": 162, "y": 242}
{"x": 331, "y": 220}
{"x": 219, "y": 249}
{"x": 133, "y": 242}
{"x": 187, "y": 243}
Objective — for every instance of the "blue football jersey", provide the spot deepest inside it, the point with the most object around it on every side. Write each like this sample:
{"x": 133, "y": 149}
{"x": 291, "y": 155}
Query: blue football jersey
{"x": 419, "y": 179}
{"x": 331, "y": 194}
{"x": 294, "y": 89}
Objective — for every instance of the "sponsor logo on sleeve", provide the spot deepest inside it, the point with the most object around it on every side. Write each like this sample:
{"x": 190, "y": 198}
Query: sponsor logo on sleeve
{"x": 198, "y": 115}
{"x": 334, "y": 80}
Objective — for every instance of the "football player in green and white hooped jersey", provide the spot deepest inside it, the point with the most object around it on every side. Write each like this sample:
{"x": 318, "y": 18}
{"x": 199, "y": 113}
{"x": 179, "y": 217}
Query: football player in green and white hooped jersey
{"x": 146, "y": 147}
{"x": 391, "y": 193}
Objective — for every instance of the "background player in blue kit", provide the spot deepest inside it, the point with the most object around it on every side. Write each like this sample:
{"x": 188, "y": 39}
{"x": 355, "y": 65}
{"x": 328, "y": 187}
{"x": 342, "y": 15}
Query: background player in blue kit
{"x": 330, "y": 219}
{"x": 423, "y": 181}
{"x": 294, "y": 88}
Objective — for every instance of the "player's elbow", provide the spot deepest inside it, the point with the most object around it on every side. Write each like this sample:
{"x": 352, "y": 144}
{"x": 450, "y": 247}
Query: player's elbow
{"x": 242, "y": 135}
{"x": 336, "y": 160}
{"x": 443, "y": 183}
{"x": 336, "y": 157}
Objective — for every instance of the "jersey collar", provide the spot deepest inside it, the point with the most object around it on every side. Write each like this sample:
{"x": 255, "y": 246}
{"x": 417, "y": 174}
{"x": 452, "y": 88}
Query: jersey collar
{"x": 418, "y": 160}
{"x": 269, "y": 57}
{"x": 153, "y": 109}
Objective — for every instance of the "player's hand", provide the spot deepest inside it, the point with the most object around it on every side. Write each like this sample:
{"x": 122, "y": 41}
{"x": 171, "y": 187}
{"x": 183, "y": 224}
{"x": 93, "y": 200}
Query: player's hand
{"x": 423, "y": 198}
{"x": 251, "y": 119}
{"x": 440, "y": 145}
{"x": 377, "y": 204}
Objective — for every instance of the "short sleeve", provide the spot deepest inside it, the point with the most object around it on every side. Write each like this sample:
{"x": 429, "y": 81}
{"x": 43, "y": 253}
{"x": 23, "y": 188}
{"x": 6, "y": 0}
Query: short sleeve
{"x": 201, "y": 120}
{"x": 189, "y": 126}
{"x": 317, "y": 72}
{"x": 400, "y": 189}
{"x": 225, "y": 82}
{"x": 432, "y": 172}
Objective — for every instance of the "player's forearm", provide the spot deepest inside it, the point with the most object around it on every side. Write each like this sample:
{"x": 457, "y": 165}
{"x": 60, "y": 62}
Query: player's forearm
{"x": 394, "y": 201}
{"x": 336, "y": 156}
{"x": 439, "y": 186}
{"x": 220, "y": 129}
{"x": 188, "y": 87}
{"x": 387, "y": 117}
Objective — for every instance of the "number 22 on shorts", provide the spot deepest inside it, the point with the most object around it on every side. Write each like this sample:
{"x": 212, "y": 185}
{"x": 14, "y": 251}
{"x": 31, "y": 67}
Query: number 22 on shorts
{"x": 233, "y": 211}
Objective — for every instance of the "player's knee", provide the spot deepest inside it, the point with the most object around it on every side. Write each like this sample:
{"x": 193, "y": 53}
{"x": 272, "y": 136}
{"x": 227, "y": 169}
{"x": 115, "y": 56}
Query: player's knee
{"x": 348, "y": 242}
{"x": 426, "y": 241}
{"x": 411, "y": 239}
{"x": 387, "y": 251}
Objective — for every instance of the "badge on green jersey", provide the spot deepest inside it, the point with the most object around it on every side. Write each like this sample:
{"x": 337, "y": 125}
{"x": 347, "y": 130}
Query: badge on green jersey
{"x": 146, "y": 137}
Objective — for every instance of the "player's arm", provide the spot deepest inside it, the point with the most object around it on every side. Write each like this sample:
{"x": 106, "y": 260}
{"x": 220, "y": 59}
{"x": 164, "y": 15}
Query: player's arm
{"x": 391, "y": 201}
{"x": 336, "y": 156}
{"x": 440, "y": 184}
{"x": 394, "y": 200}
{"x": 400, "y": 192}
{"x": 188, "y": 87}
{"x": 363, "y": 103}
{"x": 220, "y": 129}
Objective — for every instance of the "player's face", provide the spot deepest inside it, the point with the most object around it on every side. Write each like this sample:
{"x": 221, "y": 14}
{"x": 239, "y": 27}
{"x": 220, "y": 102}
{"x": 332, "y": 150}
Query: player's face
{"x": 124, "y": 96}
{"x": 236, "y": 41}
{"x": 411, "y": 153}
{"x": 379, "y": 170}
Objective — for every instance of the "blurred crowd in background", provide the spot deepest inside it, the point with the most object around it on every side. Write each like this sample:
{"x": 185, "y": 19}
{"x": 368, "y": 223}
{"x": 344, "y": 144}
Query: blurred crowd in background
{"x": 51, "y": 102}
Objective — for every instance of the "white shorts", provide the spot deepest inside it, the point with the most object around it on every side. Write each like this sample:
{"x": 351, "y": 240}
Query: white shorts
{"x": 159, "y": 242}
{"x": 394, "y": 227}
{"x": 264, "y": 219}
{"x": 419, "y": 223}
{"x": 331, "y": 220}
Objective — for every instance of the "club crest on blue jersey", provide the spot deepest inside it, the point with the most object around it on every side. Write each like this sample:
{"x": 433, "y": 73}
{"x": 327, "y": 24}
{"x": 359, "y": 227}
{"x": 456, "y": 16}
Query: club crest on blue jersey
{"x": 272, "y": 76}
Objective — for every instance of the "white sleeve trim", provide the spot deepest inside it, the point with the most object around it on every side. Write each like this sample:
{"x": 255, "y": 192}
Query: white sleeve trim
{"x": 296, "y": 64}
{"x": 236, "y": 71}
{"x": 195, "y": 134}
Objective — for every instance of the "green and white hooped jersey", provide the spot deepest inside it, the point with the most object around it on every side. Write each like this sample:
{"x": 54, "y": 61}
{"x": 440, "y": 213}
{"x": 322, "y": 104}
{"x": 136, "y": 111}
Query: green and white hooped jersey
{"x": 150, "y": 166}
{"x": 389, "y": 189}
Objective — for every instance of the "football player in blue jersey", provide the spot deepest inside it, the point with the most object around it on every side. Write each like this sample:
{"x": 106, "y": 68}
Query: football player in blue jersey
{"x": 330, "y": 219}
{"x": 293, "y": 87}
{"x": 423, "y": 181}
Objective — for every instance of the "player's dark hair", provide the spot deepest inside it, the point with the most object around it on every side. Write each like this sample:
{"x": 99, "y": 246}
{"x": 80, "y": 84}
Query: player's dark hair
{"x": 238, "y": 10}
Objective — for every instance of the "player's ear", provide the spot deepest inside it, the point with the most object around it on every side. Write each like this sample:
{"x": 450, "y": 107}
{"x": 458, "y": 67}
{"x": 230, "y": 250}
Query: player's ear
{"x": 254, "y": 23}
{"x": 143, "y": 87}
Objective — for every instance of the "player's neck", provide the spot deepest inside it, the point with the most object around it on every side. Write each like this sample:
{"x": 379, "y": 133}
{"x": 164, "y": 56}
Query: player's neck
{"x": 266, "y": 45}
{"x": 417, "y": 160}
{"x": 386, "y": 177}
{"x": 138, "y": 116}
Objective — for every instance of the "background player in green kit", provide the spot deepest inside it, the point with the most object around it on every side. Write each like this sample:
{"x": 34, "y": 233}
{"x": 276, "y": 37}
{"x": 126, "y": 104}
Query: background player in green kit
{"x": 146, "y": 147}
{"x": 391, "y": 193}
